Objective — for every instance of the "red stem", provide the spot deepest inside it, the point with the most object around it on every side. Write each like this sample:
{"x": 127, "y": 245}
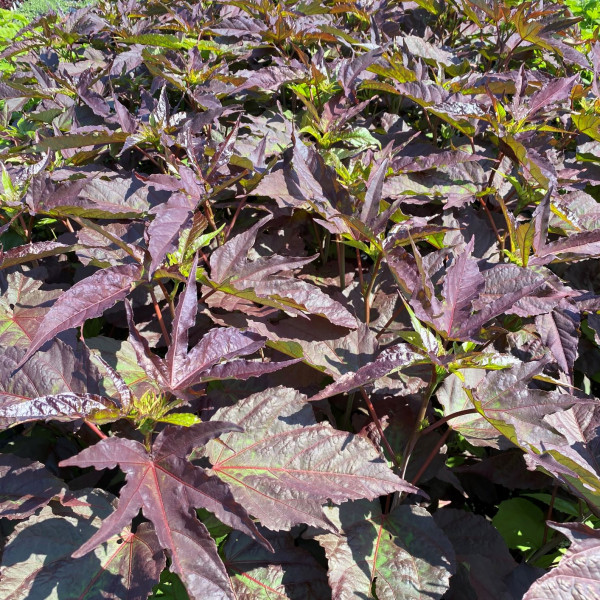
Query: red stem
{"x": 95, "y": 429}
{"x": 460, "y": 413}
{"x": 378, "y": 425}
{"x": 434, "y": 452}
{"x": 159, "y": 316}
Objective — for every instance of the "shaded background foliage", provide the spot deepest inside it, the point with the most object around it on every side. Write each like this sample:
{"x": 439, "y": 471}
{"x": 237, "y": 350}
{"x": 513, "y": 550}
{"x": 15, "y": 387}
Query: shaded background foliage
{"x": 300, "y": 300}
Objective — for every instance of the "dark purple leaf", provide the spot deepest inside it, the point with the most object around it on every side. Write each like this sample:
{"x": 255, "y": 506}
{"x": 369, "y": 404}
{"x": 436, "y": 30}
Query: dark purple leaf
{"x": 229, "y": 259}
{"x": 57, "y": 407}
{"x": 36, "y": 251}
{"x": 170, "y": 219}
{"x": 25, "y": 486}
{"x": 509, "y": 406}
{"x": 577, "y": 576}
{"x": 126, "y": 566}
{"x": 481, "y": 554}
{"x": 462, "y": 285}
{"x": 559, "y": 332}
{"x": 290, "y": 572}
{"x": 87, "y": 299}
{"x": 389, "y": 361}
{"x": 402, "y": 554}
{"x": 557, "y": 91}
{"x": 370, "y": 208}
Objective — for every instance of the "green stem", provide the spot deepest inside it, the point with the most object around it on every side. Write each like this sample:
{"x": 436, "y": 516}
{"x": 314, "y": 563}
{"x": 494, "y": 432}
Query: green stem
{"x": 370, "y": 289}
{"x": 412, "y": 441}
{"x": 341, "y": 256}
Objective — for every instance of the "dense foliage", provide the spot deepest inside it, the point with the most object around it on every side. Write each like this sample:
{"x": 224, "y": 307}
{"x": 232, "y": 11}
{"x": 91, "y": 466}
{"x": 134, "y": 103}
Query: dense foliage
{"x": 301, "y": 301}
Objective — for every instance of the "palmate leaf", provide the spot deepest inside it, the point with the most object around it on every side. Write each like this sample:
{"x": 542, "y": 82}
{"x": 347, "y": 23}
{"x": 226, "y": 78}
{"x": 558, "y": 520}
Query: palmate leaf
{"x": 25, "y": 486}
{"x": 230, "y": 265}
{"x": 402, "y": 554}
{"x": 286, "y": 466}
{"x": 87, "y": 299}
{"x": 37, "y": 562}
{"x": 181, "y": 369}
{"x": 167, "y": 487}
{"x": 577, "y": 576}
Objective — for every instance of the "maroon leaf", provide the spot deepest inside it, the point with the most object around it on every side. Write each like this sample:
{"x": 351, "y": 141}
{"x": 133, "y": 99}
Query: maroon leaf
{"x": 559, "y": 332}
{"x": 284, "y": 448}
{"x": 63, "y": 368}
{"x": 24, "y": 254}
{"x": 508, "y": 404}
{"x": 23, "y": 307}
{"x": 87, "y": 299}
{"x": 170, "y": 219}
{"x": 229, "y": 259}
{"x": 462, "y": 285}
{"x": 167, "y": 487}
{"x": 557, "y": 91}
{"x": 302, "y": 296}
{"x": 586, "y": 243}
{"x": 370, "y": 208}
{"x": 25, "y": 486}
{"x": 390, "y": 360}
{"x": 578, "y": 573}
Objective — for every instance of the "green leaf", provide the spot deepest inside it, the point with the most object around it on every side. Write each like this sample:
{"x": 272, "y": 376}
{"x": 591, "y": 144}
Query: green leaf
{"x": 521, "y": 524}
{"x": 182, "y": 419}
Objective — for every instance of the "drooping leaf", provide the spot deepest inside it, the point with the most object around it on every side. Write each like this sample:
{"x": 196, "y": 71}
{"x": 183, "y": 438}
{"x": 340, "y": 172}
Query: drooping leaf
{"x": 390, "y": 360}
{"x": 87, "y": 299}
{"x": 284, "y": 448}
{"x": 25, "y": 486}
{"x": 57, "y": 407}
{"x": 166, "y": 486}
{"x": 37, "y": 562}
{"x": 36, "y": 251}
{"x": 402, "y": 554}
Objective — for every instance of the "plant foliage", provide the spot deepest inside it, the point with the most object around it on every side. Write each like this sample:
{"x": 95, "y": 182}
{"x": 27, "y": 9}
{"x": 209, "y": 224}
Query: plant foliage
{"x": 300, "y": 300}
